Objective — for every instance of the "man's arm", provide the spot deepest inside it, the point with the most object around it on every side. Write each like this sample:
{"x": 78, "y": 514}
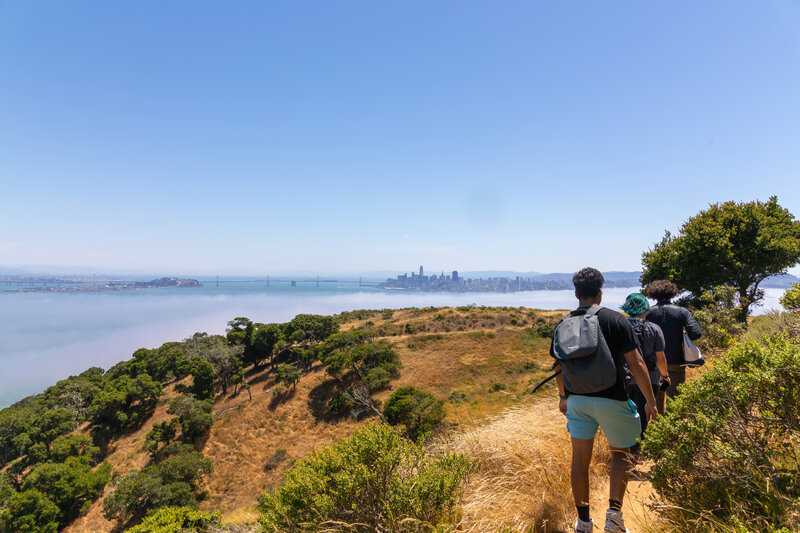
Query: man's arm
{"x": 562, "y": 392}
{"x": 639, "y": 372}
{"x": 693, "y": 329}
{"x": 661, "y": 364}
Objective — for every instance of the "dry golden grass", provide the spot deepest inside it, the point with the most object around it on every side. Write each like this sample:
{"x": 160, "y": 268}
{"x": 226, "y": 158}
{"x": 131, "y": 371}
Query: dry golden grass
{"x": 523, "y": 481}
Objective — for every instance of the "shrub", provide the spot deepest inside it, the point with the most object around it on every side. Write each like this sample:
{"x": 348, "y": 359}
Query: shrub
{"x": 546, "y": 329}
{"x": 177, "y": 520}
{"x": 717, "y": 313}
{"x": 376, "y": 379}
{"x": 791, "y": 298}
{"x": 71, "y": 485}
{"x": 168, "y": 483}
{"x": 418, "y": 410}
{"x": 497, "y": 387}
{"x": 727, "y": 449}
{"x": 287, "y": 375}
{"x": 29, "y": 510}
{"x": 193, "y": 415}
{"x": 458, "y": 397}
{"x": 374, "y": 481}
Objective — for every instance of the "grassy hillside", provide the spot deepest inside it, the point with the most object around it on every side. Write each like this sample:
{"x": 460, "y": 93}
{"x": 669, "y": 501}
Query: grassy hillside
{"x": 481, "y": 359}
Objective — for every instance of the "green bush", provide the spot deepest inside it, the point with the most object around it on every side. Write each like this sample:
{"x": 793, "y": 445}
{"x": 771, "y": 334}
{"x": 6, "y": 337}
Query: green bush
{"x": 172, "y": 482}
{"x": 29, "y": 510}
{"x": 193, "y": 415}
{"x": 418, "y": 410}
{"x": 728, "y": 449}
{"x": 376, "y": 379}
{"x": 177, "y": 520}
{"x": 374, "y": 481}
{"x": 718, "y": 314}
{"x": 791, "y": 298}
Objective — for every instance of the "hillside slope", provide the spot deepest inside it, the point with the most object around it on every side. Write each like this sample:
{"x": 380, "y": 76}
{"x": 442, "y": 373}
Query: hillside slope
{"x": 488, "y": 356}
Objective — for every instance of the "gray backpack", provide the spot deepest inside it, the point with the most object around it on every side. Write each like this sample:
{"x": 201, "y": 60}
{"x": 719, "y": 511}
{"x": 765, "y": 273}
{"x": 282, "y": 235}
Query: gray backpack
{"x": 586, "y": 362}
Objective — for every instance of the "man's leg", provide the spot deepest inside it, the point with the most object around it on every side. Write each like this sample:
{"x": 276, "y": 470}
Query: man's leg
{"x": 618, "y": 473}
{"x": 581, "y": 458}
{"x": 677, "y": 376}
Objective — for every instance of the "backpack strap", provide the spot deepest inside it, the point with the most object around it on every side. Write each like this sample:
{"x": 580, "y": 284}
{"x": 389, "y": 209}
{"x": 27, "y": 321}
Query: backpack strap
{"x": 593, "y": 310}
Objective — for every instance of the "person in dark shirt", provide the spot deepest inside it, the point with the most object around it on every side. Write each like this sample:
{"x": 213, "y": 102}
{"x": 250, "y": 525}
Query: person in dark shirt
{"x": 673, "y": 321}
{"x": 610, "y": 409}
{"x": 651, "y": 346}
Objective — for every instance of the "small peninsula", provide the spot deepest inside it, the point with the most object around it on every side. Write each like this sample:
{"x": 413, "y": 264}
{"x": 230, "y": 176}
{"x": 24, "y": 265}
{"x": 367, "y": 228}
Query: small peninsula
{"x": 82, "y": 285}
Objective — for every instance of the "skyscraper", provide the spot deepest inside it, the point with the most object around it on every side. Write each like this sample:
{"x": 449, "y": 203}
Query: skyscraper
{"x": 420, "y": 271}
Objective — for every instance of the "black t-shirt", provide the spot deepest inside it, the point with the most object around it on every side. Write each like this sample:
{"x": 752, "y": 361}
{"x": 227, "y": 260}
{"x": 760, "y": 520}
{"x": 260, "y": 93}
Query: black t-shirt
{"x": 620, "y": 338}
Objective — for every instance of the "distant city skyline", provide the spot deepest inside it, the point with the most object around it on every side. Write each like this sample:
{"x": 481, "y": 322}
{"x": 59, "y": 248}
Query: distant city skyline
{"x": 199, "y": 138}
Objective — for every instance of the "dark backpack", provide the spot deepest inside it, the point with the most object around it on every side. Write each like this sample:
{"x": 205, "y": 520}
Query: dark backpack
{"x": 586, "y": 362}
{"x": 639, "y": 328}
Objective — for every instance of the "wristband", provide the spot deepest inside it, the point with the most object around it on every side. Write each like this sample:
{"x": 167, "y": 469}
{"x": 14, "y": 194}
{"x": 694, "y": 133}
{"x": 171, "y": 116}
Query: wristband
{"x": 562, "y": 397}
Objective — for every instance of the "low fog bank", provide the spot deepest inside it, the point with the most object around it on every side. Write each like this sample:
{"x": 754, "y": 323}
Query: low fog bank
{"x": 45, "y": 337}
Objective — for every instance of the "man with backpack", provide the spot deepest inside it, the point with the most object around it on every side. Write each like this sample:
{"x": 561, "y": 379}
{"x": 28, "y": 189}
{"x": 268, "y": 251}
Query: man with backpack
{"x": 650, "y": 343}
{"x": 590, "y": 345}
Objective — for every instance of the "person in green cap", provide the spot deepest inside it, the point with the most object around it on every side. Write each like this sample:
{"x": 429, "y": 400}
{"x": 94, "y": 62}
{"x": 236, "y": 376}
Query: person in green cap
{"x": 650, "y": 340}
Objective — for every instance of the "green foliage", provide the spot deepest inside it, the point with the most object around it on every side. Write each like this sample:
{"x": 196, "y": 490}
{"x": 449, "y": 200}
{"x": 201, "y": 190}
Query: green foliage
{"x": 374, "y": 481}
{"x": 545, "y": 330}
{"x": 225, "y": 359}
{"x": 458, "y": 397}
{"x": 193, "y": 415}
{"x": 202, "y": 379}
{"x": 354, "y": 351}
{"x": 29, "y": 511}
{"x": 71, "y": 485}
{"x": 718, "y": 314}
{"x": 376, "y": 379}
{"x": 177, "y": 520}
{"x": 169, "y": 361}
{"x": 728, "y": 449}
{"x": 315, "y": 328}
{"x": 168, "y": 483}
{"x": 418, "y": 410}
{"x": 288, "y": 375}
{"x": 791, "y": 298}
{"x": 161, "y": 432}
{"x": 263, "y": 343}
{"x": 73, "y": 446}
{"x": 124, "y": 401}
{"x": 735, "y": 244}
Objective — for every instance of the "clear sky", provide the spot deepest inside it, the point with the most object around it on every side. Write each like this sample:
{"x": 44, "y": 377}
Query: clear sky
{"x": 188, "y": 137}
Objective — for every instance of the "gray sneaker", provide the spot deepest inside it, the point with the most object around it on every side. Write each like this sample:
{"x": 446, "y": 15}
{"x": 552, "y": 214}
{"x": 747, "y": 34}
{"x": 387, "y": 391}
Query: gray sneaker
{"x": 614, "y": 522}
{"x": 584, "y": 527}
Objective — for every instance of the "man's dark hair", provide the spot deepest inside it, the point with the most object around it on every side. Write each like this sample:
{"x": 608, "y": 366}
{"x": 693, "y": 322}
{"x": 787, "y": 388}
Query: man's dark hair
{"x": 662, "y": 290}
{"x": 588, "y": 282}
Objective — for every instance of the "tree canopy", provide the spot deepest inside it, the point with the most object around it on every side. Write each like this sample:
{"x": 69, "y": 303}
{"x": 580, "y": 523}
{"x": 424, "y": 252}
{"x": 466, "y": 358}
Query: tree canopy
{"x": 734, "y": 244}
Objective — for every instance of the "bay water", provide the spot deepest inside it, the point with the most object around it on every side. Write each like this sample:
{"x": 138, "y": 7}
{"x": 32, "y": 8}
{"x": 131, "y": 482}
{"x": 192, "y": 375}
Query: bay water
{"x": 47, "y": 336}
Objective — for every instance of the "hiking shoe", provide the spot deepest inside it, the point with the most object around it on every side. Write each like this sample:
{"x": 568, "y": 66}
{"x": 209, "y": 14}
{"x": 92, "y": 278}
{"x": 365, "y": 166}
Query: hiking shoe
{"x": 614, "y": 522}
{"x": 584, "y": 527}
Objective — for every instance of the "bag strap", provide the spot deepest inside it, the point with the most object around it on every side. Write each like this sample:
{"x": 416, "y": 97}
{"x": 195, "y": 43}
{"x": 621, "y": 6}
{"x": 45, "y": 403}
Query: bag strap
{"x": 593, "y": 310}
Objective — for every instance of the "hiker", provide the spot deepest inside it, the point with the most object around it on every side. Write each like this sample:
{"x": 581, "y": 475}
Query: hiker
{"x": 650, "y": 343}
{"x": 672, "y": 320}
{"x": 592, "y": 393}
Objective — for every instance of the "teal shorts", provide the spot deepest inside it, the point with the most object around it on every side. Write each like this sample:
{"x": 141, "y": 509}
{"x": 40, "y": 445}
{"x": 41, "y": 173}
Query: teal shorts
{"x": 619, "y": 420}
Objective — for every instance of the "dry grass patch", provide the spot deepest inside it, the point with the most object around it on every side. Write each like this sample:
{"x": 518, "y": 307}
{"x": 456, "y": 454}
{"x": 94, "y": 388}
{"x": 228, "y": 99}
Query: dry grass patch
{"x": 523, "y": 481}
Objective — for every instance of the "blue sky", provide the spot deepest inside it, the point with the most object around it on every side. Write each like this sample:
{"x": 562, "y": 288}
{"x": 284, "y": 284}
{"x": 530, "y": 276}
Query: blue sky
{"x": 253, "y": 137}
